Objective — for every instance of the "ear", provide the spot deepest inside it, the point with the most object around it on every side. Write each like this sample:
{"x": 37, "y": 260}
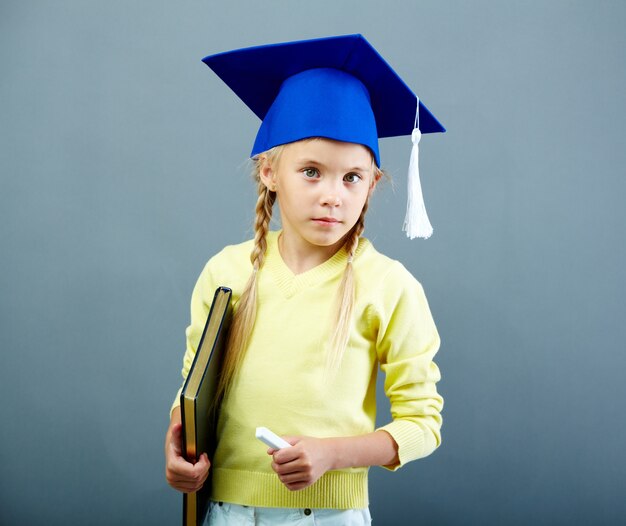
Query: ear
{"x": 267, "y": 174}
{"x": 377, "y": 176}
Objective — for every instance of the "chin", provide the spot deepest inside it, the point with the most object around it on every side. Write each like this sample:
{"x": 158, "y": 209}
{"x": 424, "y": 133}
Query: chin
{"x": 327, "y": 240}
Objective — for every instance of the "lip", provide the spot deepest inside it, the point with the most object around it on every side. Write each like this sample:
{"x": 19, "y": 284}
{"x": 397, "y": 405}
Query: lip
{"x": 326, "y": 220}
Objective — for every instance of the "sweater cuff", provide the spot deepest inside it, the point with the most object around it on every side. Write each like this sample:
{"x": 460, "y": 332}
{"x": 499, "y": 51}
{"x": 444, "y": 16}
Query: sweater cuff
{"x": 410, "y": 440}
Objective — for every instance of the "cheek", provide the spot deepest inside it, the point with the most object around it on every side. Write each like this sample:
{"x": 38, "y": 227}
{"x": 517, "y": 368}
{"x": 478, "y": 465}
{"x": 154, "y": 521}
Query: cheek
{"x": 290, "y": 204}
{"x": 362, "y": 197}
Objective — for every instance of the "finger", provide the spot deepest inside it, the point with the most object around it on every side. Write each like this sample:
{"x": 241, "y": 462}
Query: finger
{"x": 189, "y": 488}
{"x": 188, "y": 481}
{"x": 285, "y": 469}
{"x": 185, "y": 478}
{"x": 187, "y": 485}
{"x": 293, "y": 478}
{"x": 204, "y": 461}
{"x": 204, "y": 474}
{"x": 202, "y": 466}
{"x": 288, "y": 454}
{"x": 297, "y": 486}
{"x": 293, "y": 440}
{"x": 200, "y": 481}
{"x": 179, "y": 468}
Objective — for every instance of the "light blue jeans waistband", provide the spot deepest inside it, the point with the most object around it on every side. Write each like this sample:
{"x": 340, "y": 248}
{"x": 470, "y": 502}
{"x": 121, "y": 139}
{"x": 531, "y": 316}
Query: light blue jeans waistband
{"x": 226, "y": 514}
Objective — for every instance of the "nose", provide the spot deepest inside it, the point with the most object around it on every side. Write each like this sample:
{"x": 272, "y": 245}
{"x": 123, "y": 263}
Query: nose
{"x": 331, "y": 196}
{"x": 331, "y": 199}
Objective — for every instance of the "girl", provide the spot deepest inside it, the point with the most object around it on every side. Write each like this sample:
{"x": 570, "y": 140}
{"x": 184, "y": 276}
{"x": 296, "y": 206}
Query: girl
{"x": 317, "y": 308}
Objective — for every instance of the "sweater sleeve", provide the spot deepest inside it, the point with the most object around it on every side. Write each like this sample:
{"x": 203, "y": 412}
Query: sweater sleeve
{"x": 407, "y": 341}
{"x": 201, "y": 299}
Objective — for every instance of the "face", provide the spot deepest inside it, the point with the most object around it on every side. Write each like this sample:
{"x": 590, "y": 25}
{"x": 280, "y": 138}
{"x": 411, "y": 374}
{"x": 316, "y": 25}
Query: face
{"x": 321, "y": 187}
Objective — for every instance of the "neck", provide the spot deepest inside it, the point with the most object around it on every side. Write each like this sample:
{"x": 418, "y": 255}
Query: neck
{"x": 300, "y": 257}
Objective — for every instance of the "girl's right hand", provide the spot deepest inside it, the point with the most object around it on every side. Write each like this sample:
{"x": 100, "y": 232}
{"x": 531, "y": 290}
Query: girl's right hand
{"x": 180, "y": 474}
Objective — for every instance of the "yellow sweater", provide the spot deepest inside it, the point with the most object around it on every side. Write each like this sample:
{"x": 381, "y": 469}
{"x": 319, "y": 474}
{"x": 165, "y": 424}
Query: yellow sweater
{"x": 282, "y": 384}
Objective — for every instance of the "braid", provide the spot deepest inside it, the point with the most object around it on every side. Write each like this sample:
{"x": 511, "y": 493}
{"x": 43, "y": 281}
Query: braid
{"x": 264, "y": 206}
{"x": 352, "y": 240}
{"x": 245, "y": 315}
{"x": 340, "y": 332}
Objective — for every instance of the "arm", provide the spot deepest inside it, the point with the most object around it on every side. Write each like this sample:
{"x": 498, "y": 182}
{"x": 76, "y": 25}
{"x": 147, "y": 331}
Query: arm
{"x": 406, "y": 345}
{"x": 407, "y": 341}
{"x": 309, "y": 458}
{"x": 180, "y": 474}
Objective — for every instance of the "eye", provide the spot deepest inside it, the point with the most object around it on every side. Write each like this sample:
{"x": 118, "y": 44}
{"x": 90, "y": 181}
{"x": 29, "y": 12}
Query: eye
{"x": 352, "y": 178}
{"x": 311, "y": 173}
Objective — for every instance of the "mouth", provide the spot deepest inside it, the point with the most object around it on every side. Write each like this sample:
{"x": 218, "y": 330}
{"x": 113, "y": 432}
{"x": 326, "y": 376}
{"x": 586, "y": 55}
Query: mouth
{"x": 326, "y": 221}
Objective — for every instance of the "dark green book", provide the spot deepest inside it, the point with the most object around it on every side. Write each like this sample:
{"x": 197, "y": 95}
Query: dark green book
{"x": 198, "y": 406}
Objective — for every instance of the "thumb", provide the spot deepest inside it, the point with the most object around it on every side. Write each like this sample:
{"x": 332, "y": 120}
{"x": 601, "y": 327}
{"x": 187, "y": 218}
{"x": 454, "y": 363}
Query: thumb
{"x": 204, "y": 461}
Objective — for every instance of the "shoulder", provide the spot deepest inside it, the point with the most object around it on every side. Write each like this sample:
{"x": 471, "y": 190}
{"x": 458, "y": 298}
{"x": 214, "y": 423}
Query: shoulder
{"x": 231, "y": 257}
{"x": 395, "y": 305}
{"x": 380, "y": 271}
{"x": 386, "y": 289}
{"x": 230, "y": 267}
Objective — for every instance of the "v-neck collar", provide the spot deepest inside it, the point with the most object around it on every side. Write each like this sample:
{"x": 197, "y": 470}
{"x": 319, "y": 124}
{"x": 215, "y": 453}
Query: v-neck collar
{"x": 290, "y": 283}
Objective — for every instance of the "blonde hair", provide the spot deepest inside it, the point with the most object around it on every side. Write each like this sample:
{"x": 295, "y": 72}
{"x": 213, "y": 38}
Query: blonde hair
{"x": 245, "y": 312}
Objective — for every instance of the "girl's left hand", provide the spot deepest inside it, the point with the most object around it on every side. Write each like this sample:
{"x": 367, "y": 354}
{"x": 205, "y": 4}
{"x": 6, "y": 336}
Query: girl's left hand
{"x": 302, "y": 464}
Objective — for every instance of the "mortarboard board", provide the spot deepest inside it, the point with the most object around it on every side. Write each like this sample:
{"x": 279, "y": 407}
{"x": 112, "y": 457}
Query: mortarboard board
{"x": 337, "y": 87}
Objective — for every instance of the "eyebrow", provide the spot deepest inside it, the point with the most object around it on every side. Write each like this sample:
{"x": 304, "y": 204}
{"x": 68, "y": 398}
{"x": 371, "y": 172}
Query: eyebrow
{"x": 306, "y": 161}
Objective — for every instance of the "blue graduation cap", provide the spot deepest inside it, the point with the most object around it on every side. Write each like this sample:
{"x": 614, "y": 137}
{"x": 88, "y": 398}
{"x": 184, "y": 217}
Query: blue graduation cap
{"x": 338, "y": 88}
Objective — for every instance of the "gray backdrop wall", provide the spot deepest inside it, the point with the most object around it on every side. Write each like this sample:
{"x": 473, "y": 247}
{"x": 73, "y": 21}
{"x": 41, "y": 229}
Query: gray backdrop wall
{"x": 123, "y": 168}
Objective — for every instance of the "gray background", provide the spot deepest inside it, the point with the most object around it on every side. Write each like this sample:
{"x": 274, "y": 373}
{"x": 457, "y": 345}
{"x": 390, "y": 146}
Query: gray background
{"x": 123, "y": 168}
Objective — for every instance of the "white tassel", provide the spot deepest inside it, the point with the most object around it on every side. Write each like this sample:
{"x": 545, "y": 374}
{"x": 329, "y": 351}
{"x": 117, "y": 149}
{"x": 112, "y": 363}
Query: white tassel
{"x": 416, "y": 223}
